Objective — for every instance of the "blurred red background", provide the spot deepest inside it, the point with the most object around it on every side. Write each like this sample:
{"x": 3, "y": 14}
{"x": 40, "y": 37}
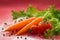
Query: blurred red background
{"x": 7, "y": 5}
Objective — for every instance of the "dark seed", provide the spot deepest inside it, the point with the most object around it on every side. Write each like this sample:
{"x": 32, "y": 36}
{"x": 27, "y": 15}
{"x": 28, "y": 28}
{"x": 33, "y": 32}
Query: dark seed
{"x": 21, "y": 36}
{"x": 21, "y": 19}
{"x": 17, "y": 37}
{"x": 3, "y": 34}
{"x": 15, "y": 22}
{"x": 25, "y": 38}
{"x": 5, "y": 23}
{"x": 2, "y": 28}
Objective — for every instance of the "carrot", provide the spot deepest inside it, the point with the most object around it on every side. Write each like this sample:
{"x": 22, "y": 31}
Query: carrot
{"x": 26, "y": 28}
{"x": 20, "y": 25}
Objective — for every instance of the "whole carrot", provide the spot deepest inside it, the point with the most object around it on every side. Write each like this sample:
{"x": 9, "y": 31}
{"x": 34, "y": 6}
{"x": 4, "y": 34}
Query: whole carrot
{"x": 27, "y": 27}
{"x": 20, "y": 25}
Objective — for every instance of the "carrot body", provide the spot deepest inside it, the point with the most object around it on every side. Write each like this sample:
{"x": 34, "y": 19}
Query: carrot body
{"x": 20, "y": 25}
{"x": 26, "y": 28}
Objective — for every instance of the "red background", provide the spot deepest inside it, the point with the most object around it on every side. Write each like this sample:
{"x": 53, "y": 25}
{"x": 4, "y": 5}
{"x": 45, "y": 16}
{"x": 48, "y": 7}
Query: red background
{"x": 7, "y": 5}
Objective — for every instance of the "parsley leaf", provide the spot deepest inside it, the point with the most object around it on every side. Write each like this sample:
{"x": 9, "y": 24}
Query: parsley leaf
{"x": 18, "y": 14}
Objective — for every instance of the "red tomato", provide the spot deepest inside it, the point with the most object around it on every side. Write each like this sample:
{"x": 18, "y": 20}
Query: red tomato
{"x": 34, "y": 29}
{"x": 43, "y": 26}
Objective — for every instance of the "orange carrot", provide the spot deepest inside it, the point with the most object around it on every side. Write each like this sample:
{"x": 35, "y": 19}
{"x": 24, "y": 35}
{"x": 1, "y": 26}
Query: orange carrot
{"x": 26, "y": 28}
{"x": 20, "y": 25}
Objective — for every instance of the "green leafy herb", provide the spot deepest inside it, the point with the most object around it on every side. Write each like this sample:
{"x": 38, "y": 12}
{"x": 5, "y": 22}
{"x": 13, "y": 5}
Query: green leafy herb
{"x": 31, "y": 11}
{"x": 46, "y": 35}
{"x": 56, "y": 30}
{"x": 18, "y": 14}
